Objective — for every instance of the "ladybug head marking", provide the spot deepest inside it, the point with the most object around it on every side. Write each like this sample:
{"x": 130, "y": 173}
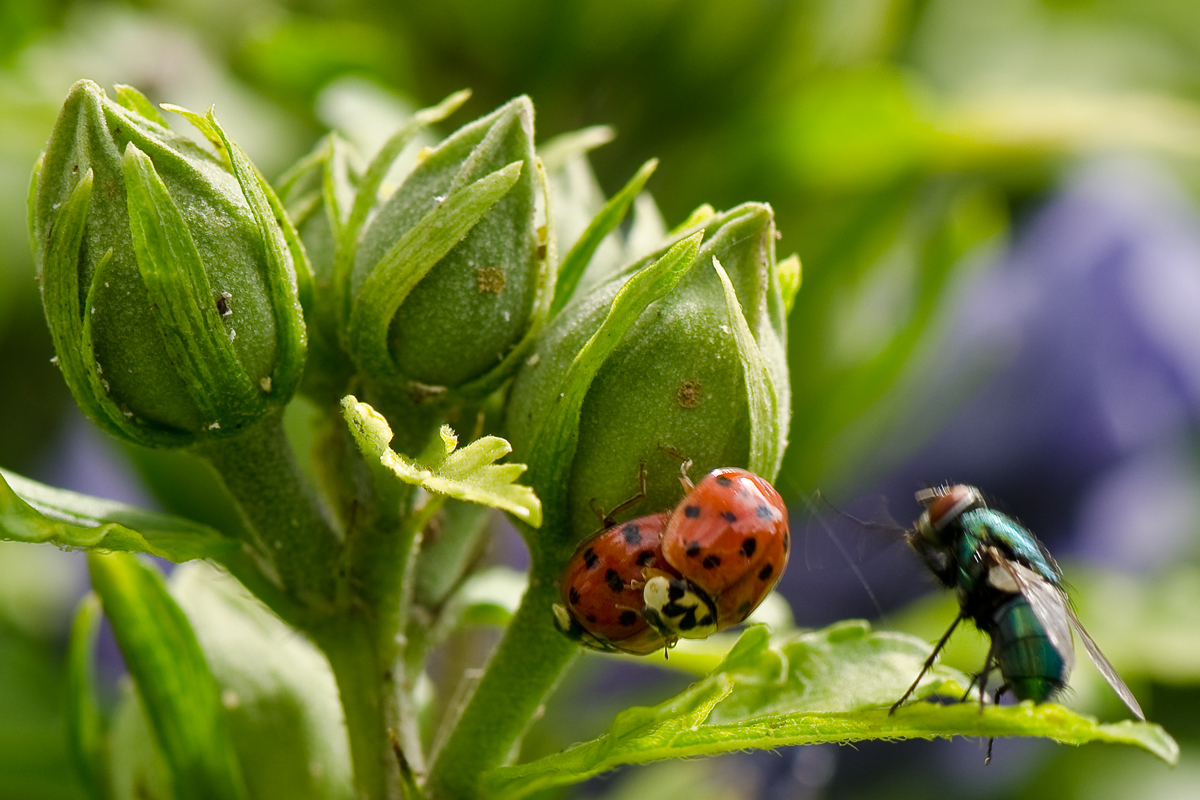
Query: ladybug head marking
{"x": 677, "y": 608}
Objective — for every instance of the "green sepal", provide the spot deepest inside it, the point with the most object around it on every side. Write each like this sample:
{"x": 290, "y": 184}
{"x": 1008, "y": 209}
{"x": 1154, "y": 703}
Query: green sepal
{"x": 138, "y": 103}
{"x": 835, "y": 685}
{"x": 86, "y": 732}
{"x": 31, "y": 512}
{"x": 469, "y": 474}
{"x": 407, "y": 262}
{"x": 188, "y": 320}
{"x": 204, "y": 124}
{"x": 173, "y": 680}
{"x": 768, "y": 438}
{"x": 286, "y": 264}
{"x": 555, "y": 439}
{"x": 580, "y": 255}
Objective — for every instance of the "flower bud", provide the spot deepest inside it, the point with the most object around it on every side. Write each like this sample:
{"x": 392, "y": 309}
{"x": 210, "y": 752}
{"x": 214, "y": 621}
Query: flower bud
{"x": 678, "y": 384}
{"x": 167, "y": 282}
{"x": 451, "y": 274}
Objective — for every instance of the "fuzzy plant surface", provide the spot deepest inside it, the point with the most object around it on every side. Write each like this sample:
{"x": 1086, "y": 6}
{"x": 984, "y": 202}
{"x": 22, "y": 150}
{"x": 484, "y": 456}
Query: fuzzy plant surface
{"x": 478, "y": 334}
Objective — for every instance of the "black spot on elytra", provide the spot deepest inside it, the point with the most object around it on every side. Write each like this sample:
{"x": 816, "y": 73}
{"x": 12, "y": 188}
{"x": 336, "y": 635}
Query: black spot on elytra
{"x": 691, "y": 512}
{"x": 693, "y": 550}
{"x": 710, "y": 562}
{"x": 590, "y": 558}
{"x": 724, "y": 480}
{"x": 614, "y": 581}
{"x": 765, "y": 572}
{"x": 591, "y": 618}
{"x": 729, "y": 516}
{"x": 743, "y": 609}
{"x": 627, "y": 618}
{"x": 632, "y": 534}
{"x": 749, "y": 546}
{"x": 765, "y": 512}
{"x": 645, "y": 557}
{"x": 574, "y": 596}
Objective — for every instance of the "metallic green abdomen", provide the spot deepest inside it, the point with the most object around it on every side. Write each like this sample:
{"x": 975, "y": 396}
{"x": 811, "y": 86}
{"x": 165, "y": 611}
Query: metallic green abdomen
{"x": 1029, "y": 663}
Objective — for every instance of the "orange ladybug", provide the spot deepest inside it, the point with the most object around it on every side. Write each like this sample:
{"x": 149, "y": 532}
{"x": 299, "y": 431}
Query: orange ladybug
{"x": 728, "y": 541}
{"x": 602, "y": 587}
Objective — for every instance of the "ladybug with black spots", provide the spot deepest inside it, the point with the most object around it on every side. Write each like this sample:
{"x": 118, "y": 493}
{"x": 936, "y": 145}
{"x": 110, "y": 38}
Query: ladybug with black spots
{"x": 727, "y": 541}
{"x": 602, "y": 587}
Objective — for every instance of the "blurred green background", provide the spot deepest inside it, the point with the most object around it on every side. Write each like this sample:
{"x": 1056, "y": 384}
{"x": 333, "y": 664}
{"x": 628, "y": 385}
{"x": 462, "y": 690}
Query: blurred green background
{"x": 994, "y": 204}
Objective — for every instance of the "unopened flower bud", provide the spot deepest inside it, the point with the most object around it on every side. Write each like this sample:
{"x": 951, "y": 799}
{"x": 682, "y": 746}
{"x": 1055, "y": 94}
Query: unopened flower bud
{"x": 168, "y": 284}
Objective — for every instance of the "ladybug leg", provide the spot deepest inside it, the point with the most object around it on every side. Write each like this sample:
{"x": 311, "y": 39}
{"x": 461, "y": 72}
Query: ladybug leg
{"x": 684, "y": 466}
{"x": 606, "y": 519}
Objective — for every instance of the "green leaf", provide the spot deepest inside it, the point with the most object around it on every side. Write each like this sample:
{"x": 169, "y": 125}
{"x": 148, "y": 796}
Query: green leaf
{"x": 173, "y": 680}
{"x": 610, "y": 217}
{"x": 85, "y": 725}
{"x": 410, "y": 258}
{"x": 767, "y": 437}
{"x": 32, "y": 512}
{"x": 834, "y": 685}
{"x": 468, "y": 474}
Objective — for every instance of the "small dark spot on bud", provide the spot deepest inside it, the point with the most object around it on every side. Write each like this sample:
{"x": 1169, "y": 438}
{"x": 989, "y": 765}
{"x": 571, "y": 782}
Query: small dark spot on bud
{"x": 693, "y": 550}
{"x": 541, "y": 252}
{"x": 613, "y": 579}
{"x": 749, "y": 546}
{"x": 688, "y": 394}
{"x": 491, "y": 280}
{"x": 766, "y": 572}
{"x": 632, "y": 534}
{"x": 645, "y": 558}
{"x": 691, "y": 512}
{"x": 590, "y": 558}
{"x": 729, "y": 516}
{"x": 627, "y": 618}
{"x": 723, "y": 480}
{"x": 711, "y": 562}
{"x": 74, "y": 169}
{"x": 574, "y": 596}
{"x": 765, "y": 512}
{"x": 223, "y": 304}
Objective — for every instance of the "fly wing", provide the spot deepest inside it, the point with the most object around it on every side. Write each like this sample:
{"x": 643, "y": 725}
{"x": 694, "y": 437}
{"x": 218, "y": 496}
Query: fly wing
{"x": 1049, "y": 606}
{"x": 1106, "y": 669}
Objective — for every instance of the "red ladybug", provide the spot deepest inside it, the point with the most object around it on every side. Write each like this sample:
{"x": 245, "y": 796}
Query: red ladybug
{"x": 602, "y": 587}
{"x": 728, "y": 540}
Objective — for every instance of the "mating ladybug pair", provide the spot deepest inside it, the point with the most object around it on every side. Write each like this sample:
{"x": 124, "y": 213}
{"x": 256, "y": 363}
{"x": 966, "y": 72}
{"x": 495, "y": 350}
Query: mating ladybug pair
{"x": 641, "y": 585}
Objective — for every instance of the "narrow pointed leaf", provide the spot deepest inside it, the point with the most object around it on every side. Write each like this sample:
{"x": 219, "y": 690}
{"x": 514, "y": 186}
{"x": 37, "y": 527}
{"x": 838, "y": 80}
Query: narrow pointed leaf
{"x": 32, "y": 512}
{"x": 609, "y": 218}
{"x": 85, "y": 725}
{"x": 172, "y": 678}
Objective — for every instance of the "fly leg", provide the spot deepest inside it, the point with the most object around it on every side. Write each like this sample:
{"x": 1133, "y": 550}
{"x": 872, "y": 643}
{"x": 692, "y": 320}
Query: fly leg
{"x": 928, "y": 664}
{"x": 991, "y": 739}
{"x": 982, "y": 677}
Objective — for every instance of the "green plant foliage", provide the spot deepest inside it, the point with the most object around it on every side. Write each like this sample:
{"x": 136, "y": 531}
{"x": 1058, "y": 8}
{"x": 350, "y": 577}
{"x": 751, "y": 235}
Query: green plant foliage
{"x": 833, "y": 686}
{"x": 173, "y": 681}
{"x": 32, "y": 512}
{"x": 469, "y": 474}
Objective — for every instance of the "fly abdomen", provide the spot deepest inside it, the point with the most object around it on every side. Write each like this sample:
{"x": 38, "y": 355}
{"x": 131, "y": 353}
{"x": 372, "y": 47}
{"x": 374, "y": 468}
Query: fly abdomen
{"x": 1031, "y": 666}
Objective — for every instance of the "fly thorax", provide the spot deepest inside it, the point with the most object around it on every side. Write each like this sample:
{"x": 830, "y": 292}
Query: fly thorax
{"x": 676, "y": 607}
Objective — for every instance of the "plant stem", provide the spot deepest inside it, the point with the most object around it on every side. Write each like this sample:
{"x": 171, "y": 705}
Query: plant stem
{"x": 261, "y": 473}
{"x": 367, "y": 689}
{"x": 525, "y": 667}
